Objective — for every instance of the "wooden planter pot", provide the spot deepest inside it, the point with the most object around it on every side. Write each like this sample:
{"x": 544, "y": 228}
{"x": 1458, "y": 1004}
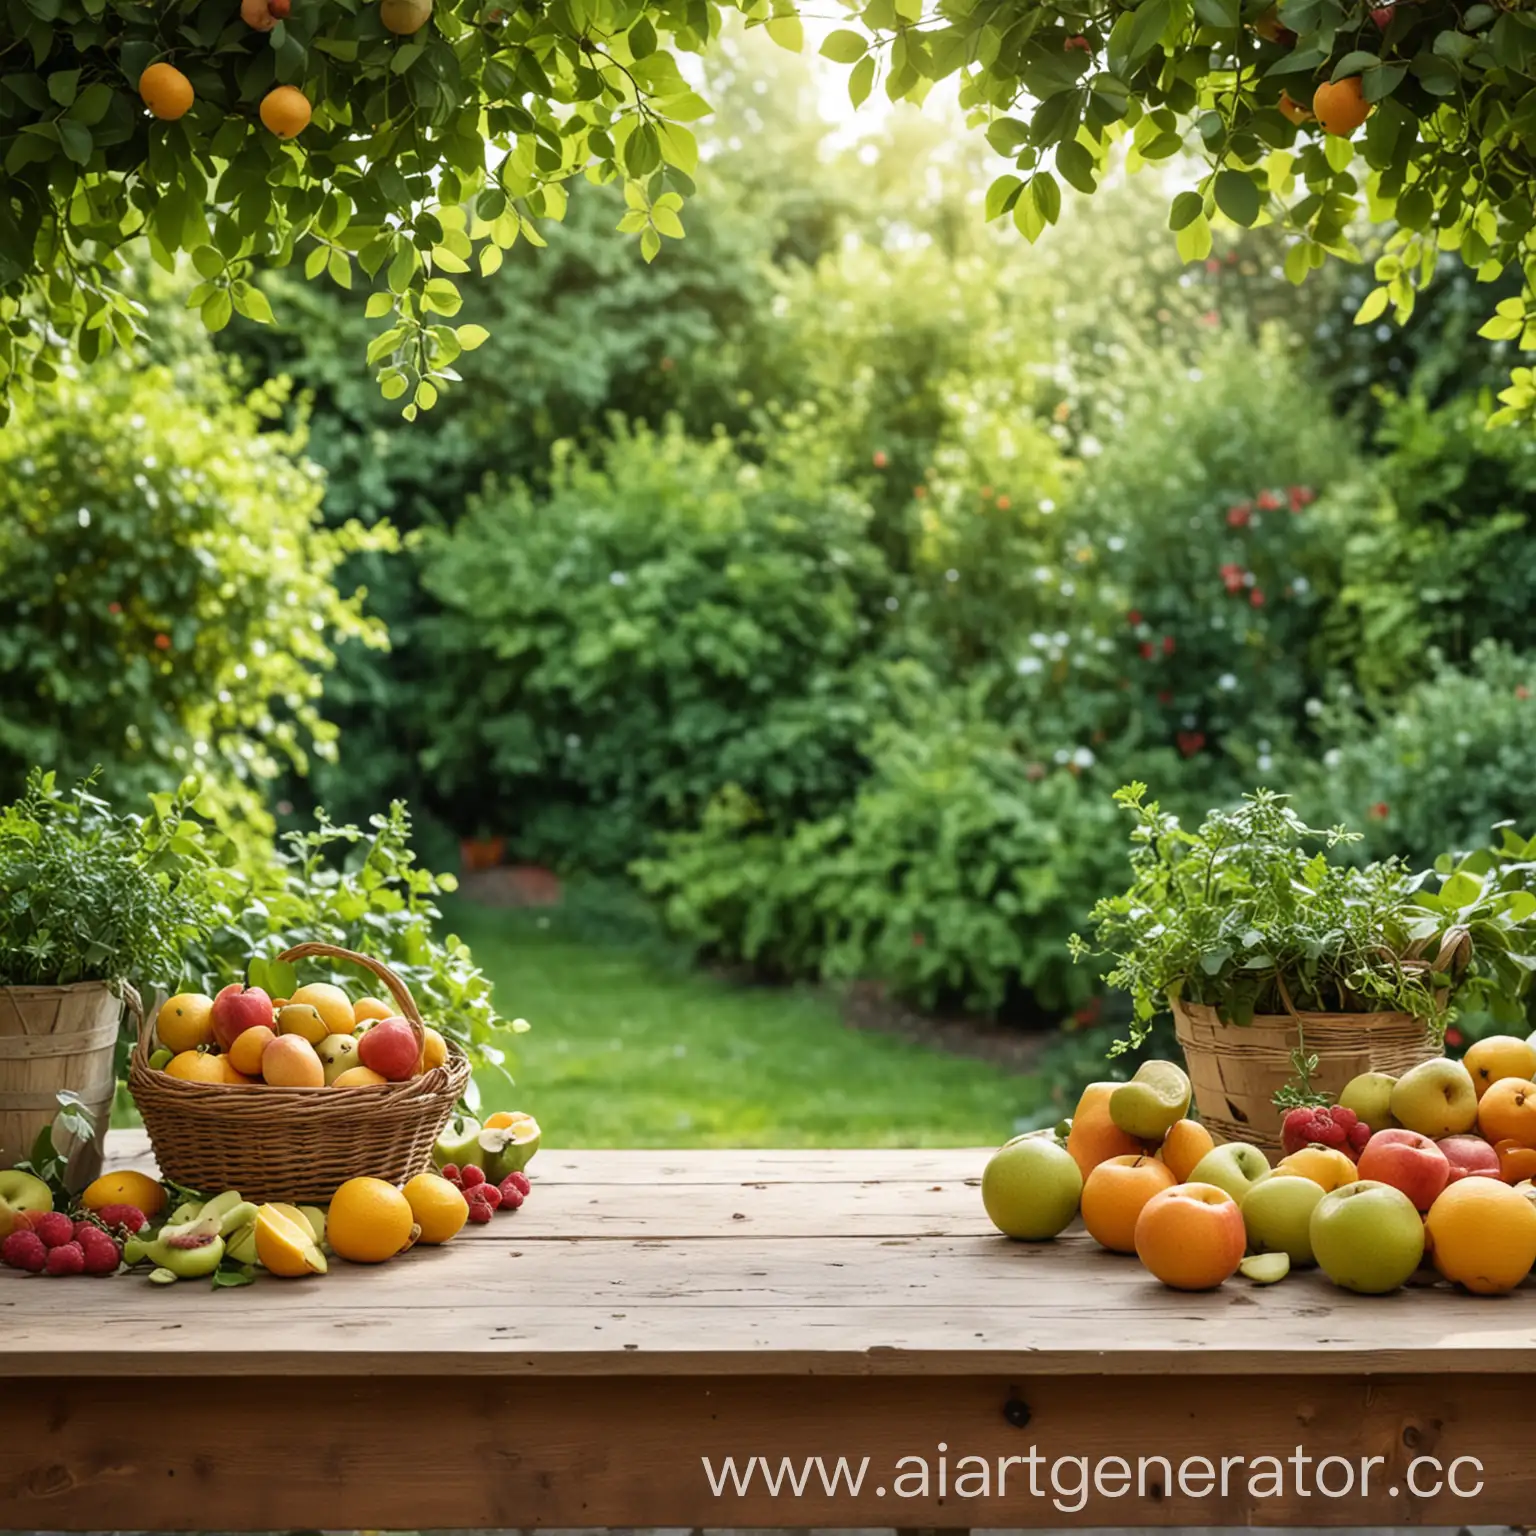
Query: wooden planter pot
{"x": 1237, "y": 1069}
{"x": 54, "y": 1038}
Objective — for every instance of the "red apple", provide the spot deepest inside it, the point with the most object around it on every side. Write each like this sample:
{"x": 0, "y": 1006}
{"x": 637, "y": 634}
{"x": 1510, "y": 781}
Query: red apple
{"x": 280, "y": 8}
{"x": 1382, "y": 16}
{"x": 1409, "y": 1162}
{"x": 390, "y": 1049}
{"x": 1469, "y": 1155}
{"x": 237, "y": 1009}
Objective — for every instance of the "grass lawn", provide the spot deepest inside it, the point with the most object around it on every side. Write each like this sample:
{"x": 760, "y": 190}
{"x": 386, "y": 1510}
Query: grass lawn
{"x": 629, "y": 1051}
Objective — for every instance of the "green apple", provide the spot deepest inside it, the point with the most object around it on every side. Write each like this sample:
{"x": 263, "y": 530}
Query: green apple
{"x": 337, "y": 1053}
{"x": 1235, "y": 1167}
{"x": 507, "y": 1148}
{"x": 1436, "y": 1098}
{"x": 1154, "y": 1101}
{"x": 459, "y": 1143}
{"x": 1370, "y": 1096}
{"x": 1367, "y": 1237}
{"x": 20, "y": 1192}
{"x": 1265, "y": 1268}
{"x": 1031, "y": 1187}
{"x": 1277, "y": 1212}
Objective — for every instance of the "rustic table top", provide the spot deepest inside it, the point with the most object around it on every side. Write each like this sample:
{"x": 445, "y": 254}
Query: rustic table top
{"x": 846, "y": 1263}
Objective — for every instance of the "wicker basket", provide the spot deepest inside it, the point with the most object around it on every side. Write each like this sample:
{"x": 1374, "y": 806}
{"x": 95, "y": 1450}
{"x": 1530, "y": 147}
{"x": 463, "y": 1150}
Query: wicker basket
{"x": 296, "y": 1144}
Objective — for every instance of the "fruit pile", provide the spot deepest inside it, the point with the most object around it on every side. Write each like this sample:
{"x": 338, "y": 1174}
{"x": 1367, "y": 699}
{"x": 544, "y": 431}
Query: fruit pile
{"x": 124, "y": 1220}
{"x": 1433, "y": 1168}
{"x": 318, "y": 1038}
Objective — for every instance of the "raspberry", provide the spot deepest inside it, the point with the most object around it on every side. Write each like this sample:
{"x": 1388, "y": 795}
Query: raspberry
{"x": 129, "y": 1217}
{"x": 24, "y": 1249}
{"x": 480, "y": 1212}
{"x": 102, "y": 1255}
{"x": 519, "y": 1182}
{"x": 472, "y": 1174}
{"x": 55, "y": 1229}
{"x": 66, "y": 1259}
{"x": 488, "y": 1193}
{"x": 511, "y": 1195}
{"x": 449, "y": 1171}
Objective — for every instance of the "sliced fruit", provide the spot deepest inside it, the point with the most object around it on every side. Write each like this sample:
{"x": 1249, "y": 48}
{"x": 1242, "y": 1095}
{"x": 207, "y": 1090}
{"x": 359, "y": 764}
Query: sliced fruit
{"x": 286, "y": 1244}
{"x": 1265, "y": 1268}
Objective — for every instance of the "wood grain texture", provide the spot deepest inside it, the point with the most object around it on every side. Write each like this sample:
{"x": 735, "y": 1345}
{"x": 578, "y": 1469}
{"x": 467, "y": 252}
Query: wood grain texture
{"x": 265, "y": 1454}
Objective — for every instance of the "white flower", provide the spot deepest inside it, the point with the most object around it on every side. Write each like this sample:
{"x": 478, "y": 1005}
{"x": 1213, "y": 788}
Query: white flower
{"x": 1266, "y": 762}
{"x": 1227, "y": 681}
{"x": 951, "y": 575}
{"x": 892, "y": 603}
{"x": 1332, "y": 758}
{"x": 83, "y": 517}
{"x": 1027, "y": 665}
{"x": 1083, "y": 758}
{"x": 1314, "y": 707}
{"x": 619, "y": 578}
{"x": 1116, "y": 543}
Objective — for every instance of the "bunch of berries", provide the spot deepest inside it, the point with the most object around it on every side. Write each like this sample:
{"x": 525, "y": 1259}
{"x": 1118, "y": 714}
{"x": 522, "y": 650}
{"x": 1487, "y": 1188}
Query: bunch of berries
{"x": 52, "y": 1243}
{"x": 485, "y": 1198}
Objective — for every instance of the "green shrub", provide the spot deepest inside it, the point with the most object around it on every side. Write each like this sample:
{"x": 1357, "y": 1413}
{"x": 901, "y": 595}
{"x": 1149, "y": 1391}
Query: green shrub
{"x": 166, "y": 586}
{"x": 954, "y": 875}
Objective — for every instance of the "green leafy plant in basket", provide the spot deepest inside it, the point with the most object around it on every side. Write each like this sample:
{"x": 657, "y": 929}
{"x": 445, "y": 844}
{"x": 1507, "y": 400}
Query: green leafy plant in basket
{"x": 1248, "y": 915}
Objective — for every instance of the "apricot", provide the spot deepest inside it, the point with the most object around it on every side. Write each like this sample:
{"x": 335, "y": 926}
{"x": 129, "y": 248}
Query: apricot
{"x": 1323, "y": 1165}
{"x": 1507, "y": 1111}
{"x": 245, "y": 1054}
{"x": 1184, "y": 1145}
{"x": 1191, "y": 1237}
{"x": 1496, "y": 1057}
{"x": 1115, "y": 1194}
{"x": 1094, "y": 1137}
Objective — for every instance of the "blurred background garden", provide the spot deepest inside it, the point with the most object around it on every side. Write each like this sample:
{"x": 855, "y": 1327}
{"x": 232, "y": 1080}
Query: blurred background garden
{"x": 790, "y": 606}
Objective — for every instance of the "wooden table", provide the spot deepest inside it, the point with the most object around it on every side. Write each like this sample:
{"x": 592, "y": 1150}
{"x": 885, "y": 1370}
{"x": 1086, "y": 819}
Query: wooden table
{"x": 578, "y": 1363}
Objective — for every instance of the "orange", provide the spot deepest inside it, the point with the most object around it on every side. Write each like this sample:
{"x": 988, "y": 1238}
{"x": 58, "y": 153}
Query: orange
{"x": 1114, "y": 1195}
{"x": 286, "y": 112}
{"x": 1496, "y": 1057}
{"x": 371, "y": 1221}
{"x": 1340, "y": 106}
{"x": 403, "y": 17}
{"x": 360, "y": 1077}
{"x": 505, "y": 1119}
{"x": 1292, "y": 110}
{"x": 331, "y": 1003}
{"x": 285, "y": 1243}
{"x": 127, "y": 1187}
{"x": 435, "y": 1052}
{"x": 1507, "y": 1111}
{"x": 185, "y": 1021}
{"x": 197, "y": 1067}
{"x": 1191, "y": 1237}
{"x": 245, "y": 1054}
{"x": 1094, "y": 1137}
{"x": 165, "y": 91}
{"x": 1184, "y": 1145}
{"x": 1323, "y": 1165}
{"x": 440, "y": 1209}
{"x": 232, "y": 1076}
{"x": 1483, "y": 1235}
{"x": 1517, "y": 1162}
{"x": 366, "y": 1008}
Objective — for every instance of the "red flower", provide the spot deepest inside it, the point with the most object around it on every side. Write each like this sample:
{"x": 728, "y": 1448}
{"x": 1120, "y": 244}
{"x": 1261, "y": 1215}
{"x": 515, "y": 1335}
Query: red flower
{"x": 1148, "y": 650}
{"x": 1089, "y": 1012}
{"x": 1210, "y": 317}
{"x": 1522, "y": 692}
{"x": 1256, "y": 597}
{"x": 919, "y": 491}
{"x": 667, "y": 365}
{"x": 1268, "y": 501}
{"x": 1078, "y": 42}
{"x": 918, "y": 941}
{"x": 878, "y": 458}
{"x": 1134, "y": 616}
{"x": 1167, "y": 645}
{"x": 986, "y": 493}
{"x": 162, "y": 642}
{"x": 1164, "y": 696}
{"x": 1212, "y": 265}
{"x": 1232, "y": 577}
{"x": 1454, "y": 1036}
{"x": 1240, "y": 515}
{"x": 1190, "y": 742}
{"x": 114, "y": 607}
{"x": 1379, "y": 811}
{"x": 1003, "y": 503}
{"x": 1300, "y": 495}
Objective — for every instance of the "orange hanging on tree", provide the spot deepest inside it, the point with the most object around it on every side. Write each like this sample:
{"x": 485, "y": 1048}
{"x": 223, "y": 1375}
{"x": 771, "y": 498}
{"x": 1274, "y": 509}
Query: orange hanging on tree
{"x": 285, "y": 111}
{"x": 165, "y": 91}
{"x": 1340, "y": 106}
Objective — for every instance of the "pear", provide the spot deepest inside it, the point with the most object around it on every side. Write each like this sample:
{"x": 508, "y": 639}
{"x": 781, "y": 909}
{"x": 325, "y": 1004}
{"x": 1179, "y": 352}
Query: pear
{"x": 1370, "y": 1096}
{"x": 338, "y": 1054}
{"x": 1153, "y": 1102}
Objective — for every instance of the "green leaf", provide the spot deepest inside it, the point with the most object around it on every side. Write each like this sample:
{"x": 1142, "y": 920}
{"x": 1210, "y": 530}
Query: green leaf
{"x": 1194, "y": 240}
{"x": 1046, "y": 196}
{"x": 1237, "y": 197}
{"x": 1002, "y": 195}
{"x": 441, "y": 297}
{"x": 845, "y": 47}
{"x": 314, "y": 263}
{"x": 340, "y": 269}
{"x": 1187, "y": 207}
{"x": 861, "y": 80}
{"x": 1076, "y": 166}
{"x": 207, "y": 261}
{"x": 62, "y": 86}
{"x": 75, "y": 139}
{"x": 251, "y": 302}
{"x": 787, "y": 32}
{"x": 1373, "y": 308}
{"x": 380, "y": 304}
{"x": 472, "y": 336}
{"x": 217, "y": 310}
{"x": 642, "y": 39}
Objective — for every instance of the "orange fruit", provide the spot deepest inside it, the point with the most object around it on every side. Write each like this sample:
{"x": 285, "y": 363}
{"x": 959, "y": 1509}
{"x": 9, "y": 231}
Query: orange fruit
{"x": 245, "y": 1054}
{"x": 285, "y": 1243}
{"x": 435, "y": 1052}
{"x": 165, "y": 91}
{"x": 366, "y": 1008}
{"x": 1323, "y": 1165}
{"x": 370, "y": 1221}
{"x": 1496, "y": 1057}
{"x": 185, "y": 1021}
{"x": 1340, "y": 106}
{"x": 440, "y": 1209}
{"x": 126, "y": 1187}
{"x": 255, "y": 14}
{"x": 197, "y": 1067}
{"x": 290, "y": 1061}
{"x": 1517, "y": 1162}
{"x": 1094, "y": 1137}
{"x": 1114, "y": 1195}
{"x": 505, "y": 1119}
{"x": 286, "y": 112}
{"x": 1483, "y": 1235}
{"x": 359, "y": 1077}
{"x": 1507, "y": 1111}
{"x": 1292, "y": 110}
{"x": 1191, "y": 1237}
{"x": 232, "y": 1076}
{"x": 331, "y": 1003}
{"x": 403, "y": 17}
{"x": 1184, "y": 1145}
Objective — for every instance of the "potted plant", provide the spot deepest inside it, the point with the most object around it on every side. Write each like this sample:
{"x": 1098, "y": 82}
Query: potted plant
{"x": 90, "y": 901}
{"x": 1288, "y": 973}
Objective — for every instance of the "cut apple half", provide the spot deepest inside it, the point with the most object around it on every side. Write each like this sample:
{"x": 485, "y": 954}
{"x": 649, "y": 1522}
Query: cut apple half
{"x": 1265, "y": 1268}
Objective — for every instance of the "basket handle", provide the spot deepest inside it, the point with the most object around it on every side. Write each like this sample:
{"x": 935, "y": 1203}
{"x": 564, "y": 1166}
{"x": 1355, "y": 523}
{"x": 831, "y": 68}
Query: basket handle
{"x": 398, "y": 989}
{"x": 135, "y": 1005}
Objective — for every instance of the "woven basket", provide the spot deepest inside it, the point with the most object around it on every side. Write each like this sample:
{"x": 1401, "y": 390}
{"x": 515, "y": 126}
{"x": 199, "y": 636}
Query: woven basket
{"x": 296, "y": 1144}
